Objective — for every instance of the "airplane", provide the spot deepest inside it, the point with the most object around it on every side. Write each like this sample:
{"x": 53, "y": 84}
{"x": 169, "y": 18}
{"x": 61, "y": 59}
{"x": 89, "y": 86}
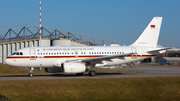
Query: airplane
{"x": 81, "y": 59}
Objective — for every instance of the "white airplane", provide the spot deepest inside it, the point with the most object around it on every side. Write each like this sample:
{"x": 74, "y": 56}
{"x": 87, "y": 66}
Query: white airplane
{"x": 80, "y": 59}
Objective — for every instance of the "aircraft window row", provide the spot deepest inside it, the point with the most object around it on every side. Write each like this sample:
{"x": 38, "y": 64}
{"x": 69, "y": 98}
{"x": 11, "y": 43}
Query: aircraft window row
{"x": 106, "y": 52}
{"x": 55, "y": 53}
{"x": 67, "y": 53}
{"x": 17, "y": 53}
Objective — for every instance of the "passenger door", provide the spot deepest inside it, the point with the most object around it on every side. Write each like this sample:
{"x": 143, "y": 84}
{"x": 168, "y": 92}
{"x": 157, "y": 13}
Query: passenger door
{"x": 32, "y": 54}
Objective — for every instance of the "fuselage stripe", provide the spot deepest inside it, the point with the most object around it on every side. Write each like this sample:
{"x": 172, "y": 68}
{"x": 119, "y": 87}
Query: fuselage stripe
{"x": 60, "y": 57}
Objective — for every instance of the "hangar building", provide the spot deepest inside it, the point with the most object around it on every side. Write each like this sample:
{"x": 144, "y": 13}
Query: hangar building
{"x": 12, "y": 39}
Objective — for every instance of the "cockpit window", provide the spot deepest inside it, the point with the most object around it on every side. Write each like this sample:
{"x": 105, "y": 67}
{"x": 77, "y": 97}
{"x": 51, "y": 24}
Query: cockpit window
{"x": 17, "y": 53}
{"x": 21, "y": 53}
{"x": 14, "y": 53}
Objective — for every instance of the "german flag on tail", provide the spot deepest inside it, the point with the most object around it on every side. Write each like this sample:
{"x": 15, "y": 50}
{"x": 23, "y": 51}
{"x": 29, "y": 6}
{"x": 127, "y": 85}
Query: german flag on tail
{"x": 152, "y": 26}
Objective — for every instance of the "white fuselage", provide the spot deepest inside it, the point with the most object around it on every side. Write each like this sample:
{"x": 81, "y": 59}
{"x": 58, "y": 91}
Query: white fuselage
{"x": 46, "y": 57}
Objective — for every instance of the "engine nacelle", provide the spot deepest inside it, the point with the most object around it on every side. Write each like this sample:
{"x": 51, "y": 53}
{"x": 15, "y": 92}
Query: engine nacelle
{"x": 53, "y": 70}
{"x": 74, "y": 67}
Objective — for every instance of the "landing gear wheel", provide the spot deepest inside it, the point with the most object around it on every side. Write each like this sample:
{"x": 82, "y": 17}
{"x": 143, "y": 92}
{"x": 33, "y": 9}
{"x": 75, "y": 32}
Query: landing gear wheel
{"x": 92, "y": 73}
{"x": 30, "y": 74}
{"x": 79, "y": 74}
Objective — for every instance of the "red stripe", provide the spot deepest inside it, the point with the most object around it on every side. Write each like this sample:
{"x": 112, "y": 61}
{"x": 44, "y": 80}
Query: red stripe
{"x": 46, "y": 57}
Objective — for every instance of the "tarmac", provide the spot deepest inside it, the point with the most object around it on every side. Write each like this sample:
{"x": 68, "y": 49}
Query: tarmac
{"x": 146, "y": 71}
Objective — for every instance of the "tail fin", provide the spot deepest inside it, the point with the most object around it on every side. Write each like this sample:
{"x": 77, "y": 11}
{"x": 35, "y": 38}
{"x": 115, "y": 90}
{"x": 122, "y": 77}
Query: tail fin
{"x": 150, "y": 35}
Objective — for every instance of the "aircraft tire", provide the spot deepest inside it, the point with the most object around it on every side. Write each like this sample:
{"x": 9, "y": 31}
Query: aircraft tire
{"x": 30, "y": 74}
{"x": 92, "y": 73}
{"x": 79, "y": 74}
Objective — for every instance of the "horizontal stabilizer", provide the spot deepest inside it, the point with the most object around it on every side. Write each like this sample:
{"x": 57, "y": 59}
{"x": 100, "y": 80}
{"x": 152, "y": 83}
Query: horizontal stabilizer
{"x": 155, "y": 50}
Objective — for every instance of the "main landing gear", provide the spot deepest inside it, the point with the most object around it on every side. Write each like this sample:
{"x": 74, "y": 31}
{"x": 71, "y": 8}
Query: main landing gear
{"x": 31, "y": 72}
{"x": 91, "y": 72}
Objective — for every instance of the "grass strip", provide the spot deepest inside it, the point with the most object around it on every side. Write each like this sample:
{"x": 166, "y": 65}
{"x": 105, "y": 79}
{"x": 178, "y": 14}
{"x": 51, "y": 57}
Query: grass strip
{"x": 98, "y": 89}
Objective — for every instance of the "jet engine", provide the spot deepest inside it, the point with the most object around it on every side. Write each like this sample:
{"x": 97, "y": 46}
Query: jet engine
{"x": 73, "y": 67}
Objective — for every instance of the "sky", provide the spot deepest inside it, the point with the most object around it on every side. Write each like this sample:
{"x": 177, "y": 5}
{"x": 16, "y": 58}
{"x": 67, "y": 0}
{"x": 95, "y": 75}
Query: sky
{"x": 120, "y": 20}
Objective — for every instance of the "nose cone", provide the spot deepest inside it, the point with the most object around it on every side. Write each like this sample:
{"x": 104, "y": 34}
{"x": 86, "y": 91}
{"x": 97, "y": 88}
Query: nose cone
{"x": 13, "y": 61}
{"x": 7, "y": 61}
{"x": 10, "y": 62}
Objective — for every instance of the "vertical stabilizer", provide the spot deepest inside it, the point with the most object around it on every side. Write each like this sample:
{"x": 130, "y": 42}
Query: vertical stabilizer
{"x": 150, "y": 35}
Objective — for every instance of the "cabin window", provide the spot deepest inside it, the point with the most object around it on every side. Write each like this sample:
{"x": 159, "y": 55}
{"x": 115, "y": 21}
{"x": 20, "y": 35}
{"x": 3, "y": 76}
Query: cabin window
{"x": 43, "y": 53}
{"x": 117, "y": 52}
{"x": 49, "y": 53}
{"x": 46, "y": 53}
{"x": 54, "y": 53}
{"x": 89, "y": 52}
{"x": 84, "y": 52}
{"x": 94, "y": 52}
{"x": 38, "y": 53}
{"x": 17, "y": 53}
{"x": 104, "y": 52}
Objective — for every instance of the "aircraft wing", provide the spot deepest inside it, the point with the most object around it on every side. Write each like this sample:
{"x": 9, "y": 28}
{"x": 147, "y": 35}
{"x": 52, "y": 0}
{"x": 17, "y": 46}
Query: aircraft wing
{"x": 105, "y": 57}
{"x": 155, "y": 50}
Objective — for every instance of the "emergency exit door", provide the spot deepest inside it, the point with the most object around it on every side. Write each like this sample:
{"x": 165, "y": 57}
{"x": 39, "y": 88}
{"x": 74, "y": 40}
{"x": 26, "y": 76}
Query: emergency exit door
{"x": 134, "y": 51}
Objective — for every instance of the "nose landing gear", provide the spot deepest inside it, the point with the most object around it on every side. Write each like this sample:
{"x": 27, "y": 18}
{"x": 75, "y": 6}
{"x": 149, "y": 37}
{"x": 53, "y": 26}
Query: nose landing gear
{"x": 31, "y": 72}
